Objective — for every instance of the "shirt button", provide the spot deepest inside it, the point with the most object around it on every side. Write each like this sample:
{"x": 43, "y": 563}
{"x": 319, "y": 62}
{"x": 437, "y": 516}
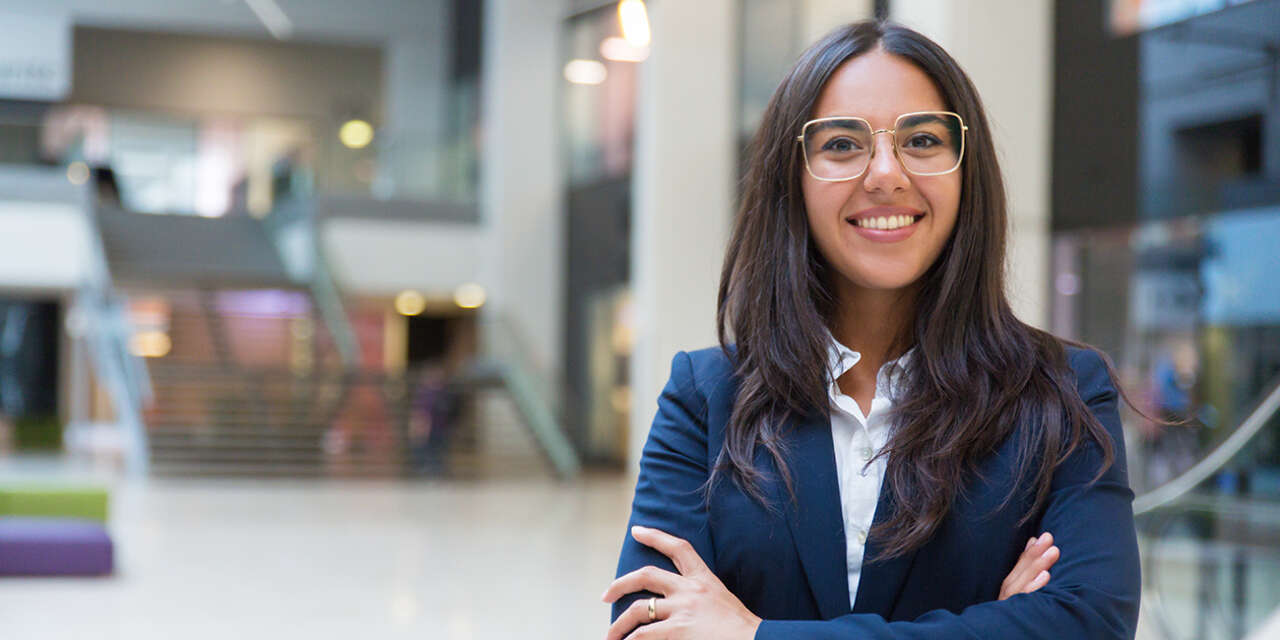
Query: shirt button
{"x": 862, "y": 536}
{"x": 867, "y": 453}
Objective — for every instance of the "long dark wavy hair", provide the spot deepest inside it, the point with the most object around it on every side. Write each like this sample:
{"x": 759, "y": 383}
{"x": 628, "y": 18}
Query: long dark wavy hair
{"x": 976, "y": 372}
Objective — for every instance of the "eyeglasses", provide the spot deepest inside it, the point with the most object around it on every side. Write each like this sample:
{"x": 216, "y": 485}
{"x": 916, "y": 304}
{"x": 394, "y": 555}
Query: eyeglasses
{"x": 926, "y": 143}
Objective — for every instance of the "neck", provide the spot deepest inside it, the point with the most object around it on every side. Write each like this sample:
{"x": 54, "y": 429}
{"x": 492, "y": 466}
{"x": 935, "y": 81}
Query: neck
{"x": 875, "y": 322}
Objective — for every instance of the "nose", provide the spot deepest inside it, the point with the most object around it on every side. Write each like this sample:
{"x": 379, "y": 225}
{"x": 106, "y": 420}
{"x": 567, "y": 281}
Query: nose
{"x": 885, "y": 172}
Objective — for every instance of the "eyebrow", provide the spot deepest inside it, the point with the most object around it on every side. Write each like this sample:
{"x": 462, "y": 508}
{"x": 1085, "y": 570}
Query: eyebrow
{"x": 830, "y": 121}
{"x": 830, "y": 124}
{"x": 922, "y": 118}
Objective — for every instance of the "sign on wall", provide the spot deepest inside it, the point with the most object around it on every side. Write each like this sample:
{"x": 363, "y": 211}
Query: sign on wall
{"x": 35, "y": 57}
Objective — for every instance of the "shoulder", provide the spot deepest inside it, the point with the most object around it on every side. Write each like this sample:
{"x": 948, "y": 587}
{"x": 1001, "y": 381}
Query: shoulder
{"x": 1093, "y": 380}
{"x": 710, "y": 364}
{"x": 703, "y": 376}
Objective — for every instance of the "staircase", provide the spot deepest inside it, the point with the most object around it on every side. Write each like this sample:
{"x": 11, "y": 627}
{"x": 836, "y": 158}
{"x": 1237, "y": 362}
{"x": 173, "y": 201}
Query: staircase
{"x": 265, "y": 376}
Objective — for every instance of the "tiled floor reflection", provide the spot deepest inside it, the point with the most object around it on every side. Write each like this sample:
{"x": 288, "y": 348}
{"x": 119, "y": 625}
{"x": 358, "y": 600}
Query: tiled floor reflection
{"x": 240, "y": 559}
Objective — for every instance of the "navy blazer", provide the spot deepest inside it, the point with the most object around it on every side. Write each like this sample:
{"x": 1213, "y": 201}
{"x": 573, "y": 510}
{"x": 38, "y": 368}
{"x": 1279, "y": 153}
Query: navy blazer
{"x": 789, "y": 568}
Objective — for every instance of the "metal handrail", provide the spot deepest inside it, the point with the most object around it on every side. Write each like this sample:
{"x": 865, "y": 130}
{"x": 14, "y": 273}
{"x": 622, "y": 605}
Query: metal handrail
{"x": 1267, "y": 514}
{"x": 1199, "y": 472}
{"x": 103, "y": 318}
{"x": 291, "y": 227}
{"x": 538, "y": 404}
{"x": 109, "y": 331}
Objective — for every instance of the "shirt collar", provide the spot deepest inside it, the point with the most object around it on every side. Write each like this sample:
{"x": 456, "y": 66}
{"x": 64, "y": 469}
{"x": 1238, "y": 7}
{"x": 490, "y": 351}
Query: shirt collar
{"x": 840, "y": 359}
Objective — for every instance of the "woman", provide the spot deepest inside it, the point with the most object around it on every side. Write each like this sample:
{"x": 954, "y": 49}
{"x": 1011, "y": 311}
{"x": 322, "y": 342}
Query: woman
{"x": 871, "y": 455}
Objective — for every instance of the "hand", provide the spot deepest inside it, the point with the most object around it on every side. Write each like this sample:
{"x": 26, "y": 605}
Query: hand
{"x": 1032, "y": 570}
{"x": 694, "y": 603}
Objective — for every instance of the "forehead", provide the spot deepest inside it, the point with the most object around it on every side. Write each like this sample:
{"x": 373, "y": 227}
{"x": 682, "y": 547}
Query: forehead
{"x": 878, "y": 86}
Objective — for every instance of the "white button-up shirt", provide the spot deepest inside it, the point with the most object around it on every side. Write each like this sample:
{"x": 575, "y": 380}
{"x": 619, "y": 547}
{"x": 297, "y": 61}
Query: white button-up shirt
{"x": 857, "y": 438}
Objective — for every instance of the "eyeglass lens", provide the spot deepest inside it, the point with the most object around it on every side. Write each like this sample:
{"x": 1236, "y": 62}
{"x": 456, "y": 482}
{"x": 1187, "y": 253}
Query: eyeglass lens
{"x": 928, "y": 143}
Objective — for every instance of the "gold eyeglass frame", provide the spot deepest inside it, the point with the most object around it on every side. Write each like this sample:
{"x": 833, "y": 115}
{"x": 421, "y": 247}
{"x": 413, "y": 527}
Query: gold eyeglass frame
{"x": 892, "y": 136}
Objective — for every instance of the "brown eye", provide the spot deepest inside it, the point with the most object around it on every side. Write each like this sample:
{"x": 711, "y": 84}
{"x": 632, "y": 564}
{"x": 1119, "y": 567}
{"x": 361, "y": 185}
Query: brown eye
{"x": 925, "y": 141}
{"x": 840, "y": 145}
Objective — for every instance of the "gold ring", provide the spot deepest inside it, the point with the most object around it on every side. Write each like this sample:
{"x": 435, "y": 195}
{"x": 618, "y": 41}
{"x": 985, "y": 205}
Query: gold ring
{"x": 653, "y": 609}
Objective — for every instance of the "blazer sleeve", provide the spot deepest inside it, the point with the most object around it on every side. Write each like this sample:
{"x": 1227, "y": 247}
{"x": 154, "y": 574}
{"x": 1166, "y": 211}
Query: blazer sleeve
{"x": 1095, "y": 587}
{"x": 673, "y": 467}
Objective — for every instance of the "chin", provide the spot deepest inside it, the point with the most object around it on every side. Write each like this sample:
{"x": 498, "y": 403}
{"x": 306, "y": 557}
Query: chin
{"x": 884, "y": 279}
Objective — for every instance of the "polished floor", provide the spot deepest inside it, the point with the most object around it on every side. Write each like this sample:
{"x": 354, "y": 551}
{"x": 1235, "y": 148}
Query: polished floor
{"x": 523, "y": 558}
{"x": 507, "y": 557}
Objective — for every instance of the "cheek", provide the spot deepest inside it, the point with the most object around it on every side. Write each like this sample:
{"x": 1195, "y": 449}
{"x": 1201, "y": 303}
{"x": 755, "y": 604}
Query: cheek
{"x": 822, "y": 204}
{"x": 944, "y": 203}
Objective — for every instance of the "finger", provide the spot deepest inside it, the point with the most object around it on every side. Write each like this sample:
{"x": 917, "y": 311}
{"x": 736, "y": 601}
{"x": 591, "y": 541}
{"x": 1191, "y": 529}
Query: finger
{"x": 1044, "y": 561}
{"x": 648, "y": 578}
{"x": 655, "y": 631}
{"x": 1038, "y": 575}
{"x": 685, "y": 557}
{"x": 1025, "y": 570}
{"x": 1017, "y": 576}
{"x": 1024, "y": 561}
{"x": 635, "y": 615}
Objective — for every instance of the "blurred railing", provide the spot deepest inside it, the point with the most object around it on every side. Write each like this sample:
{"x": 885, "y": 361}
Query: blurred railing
{"x": 1197, "y": 531}
{"x": 542, "y": 396}
{"x": 1263, "y": 415}
{"x": 291, "y": 225}
{"x": 1187, "y": 309}
{"x": 505, "y": 362}
{"x": 97, "y": 317}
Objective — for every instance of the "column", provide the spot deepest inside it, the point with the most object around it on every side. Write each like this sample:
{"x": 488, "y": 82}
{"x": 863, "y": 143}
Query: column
{"x": 521, "y": 183}
{"x": 683, "y": 191}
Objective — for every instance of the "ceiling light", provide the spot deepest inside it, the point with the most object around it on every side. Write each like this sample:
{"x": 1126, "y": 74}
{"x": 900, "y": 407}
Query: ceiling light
{"x": 620, "y": 50}
{"x": 410, "y": 303}
{"x": 469, "y": 296}
{"x": 78, "y": 172}
{"x": 585, "y": 72}
{"x": 272, "y": 17}
{"x": 356, "y": 134}
{"x": 635, "y": 22}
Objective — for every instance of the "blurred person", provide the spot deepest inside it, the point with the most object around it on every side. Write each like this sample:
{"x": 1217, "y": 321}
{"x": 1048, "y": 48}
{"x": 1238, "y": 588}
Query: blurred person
{"x": 431, "y": 419}
{"x": 794, "y": 487}
{"x": 1171, "y": 445}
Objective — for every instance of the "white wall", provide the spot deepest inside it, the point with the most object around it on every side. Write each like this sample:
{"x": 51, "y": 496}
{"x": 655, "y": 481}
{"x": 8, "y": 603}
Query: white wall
{"x": 43, "y": 245}
{"x": 1006, "y": 47}
{"x": 384, "y": 257}
{"x": 521, "y": 183}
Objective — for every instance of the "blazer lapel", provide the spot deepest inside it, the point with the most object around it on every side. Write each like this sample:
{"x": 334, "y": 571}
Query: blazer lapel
{"x": 817, "y": 525}
{"x": 882, "y": 579}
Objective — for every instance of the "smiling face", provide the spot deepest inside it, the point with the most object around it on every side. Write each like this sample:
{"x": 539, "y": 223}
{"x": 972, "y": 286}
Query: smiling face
{"x": 867, "y": 253}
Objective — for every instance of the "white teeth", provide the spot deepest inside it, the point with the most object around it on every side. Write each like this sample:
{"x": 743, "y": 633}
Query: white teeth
{"x": 886, "y": 224}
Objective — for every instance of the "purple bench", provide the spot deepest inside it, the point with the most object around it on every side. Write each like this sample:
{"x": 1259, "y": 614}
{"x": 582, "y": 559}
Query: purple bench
{"x": 53, "y": 547}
